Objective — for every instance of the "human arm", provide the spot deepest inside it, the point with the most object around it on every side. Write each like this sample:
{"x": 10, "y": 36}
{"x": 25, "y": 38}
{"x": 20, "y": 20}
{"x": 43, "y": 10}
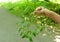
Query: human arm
{"x": 48, "y": 13}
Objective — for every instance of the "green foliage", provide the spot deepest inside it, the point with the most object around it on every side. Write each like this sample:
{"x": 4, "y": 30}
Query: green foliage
{"x": 47, "y": 0}
{"x": 31, "y": 25}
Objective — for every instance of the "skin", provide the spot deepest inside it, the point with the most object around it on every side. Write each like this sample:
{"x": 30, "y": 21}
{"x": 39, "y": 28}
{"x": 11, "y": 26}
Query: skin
{"x": 41, "y": 10}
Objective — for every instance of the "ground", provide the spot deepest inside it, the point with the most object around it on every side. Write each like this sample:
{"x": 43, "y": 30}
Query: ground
{"x": 8, "y": 28}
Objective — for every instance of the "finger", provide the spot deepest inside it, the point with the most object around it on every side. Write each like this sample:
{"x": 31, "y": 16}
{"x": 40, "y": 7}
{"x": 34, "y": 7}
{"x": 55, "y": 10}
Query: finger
{"x": 33, "y": 12}
{"x": 39, "y": 8}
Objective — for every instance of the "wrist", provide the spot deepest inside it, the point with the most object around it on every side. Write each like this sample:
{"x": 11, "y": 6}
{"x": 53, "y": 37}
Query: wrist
{"x": 46, "y": 12}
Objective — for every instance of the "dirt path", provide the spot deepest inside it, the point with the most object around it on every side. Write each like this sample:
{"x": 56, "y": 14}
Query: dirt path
{"x": 8, "y": 28}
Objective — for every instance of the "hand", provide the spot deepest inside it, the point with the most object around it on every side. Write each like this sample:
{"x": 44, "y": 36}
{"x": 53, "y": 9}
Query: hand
{"x": 38, "y": 10}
